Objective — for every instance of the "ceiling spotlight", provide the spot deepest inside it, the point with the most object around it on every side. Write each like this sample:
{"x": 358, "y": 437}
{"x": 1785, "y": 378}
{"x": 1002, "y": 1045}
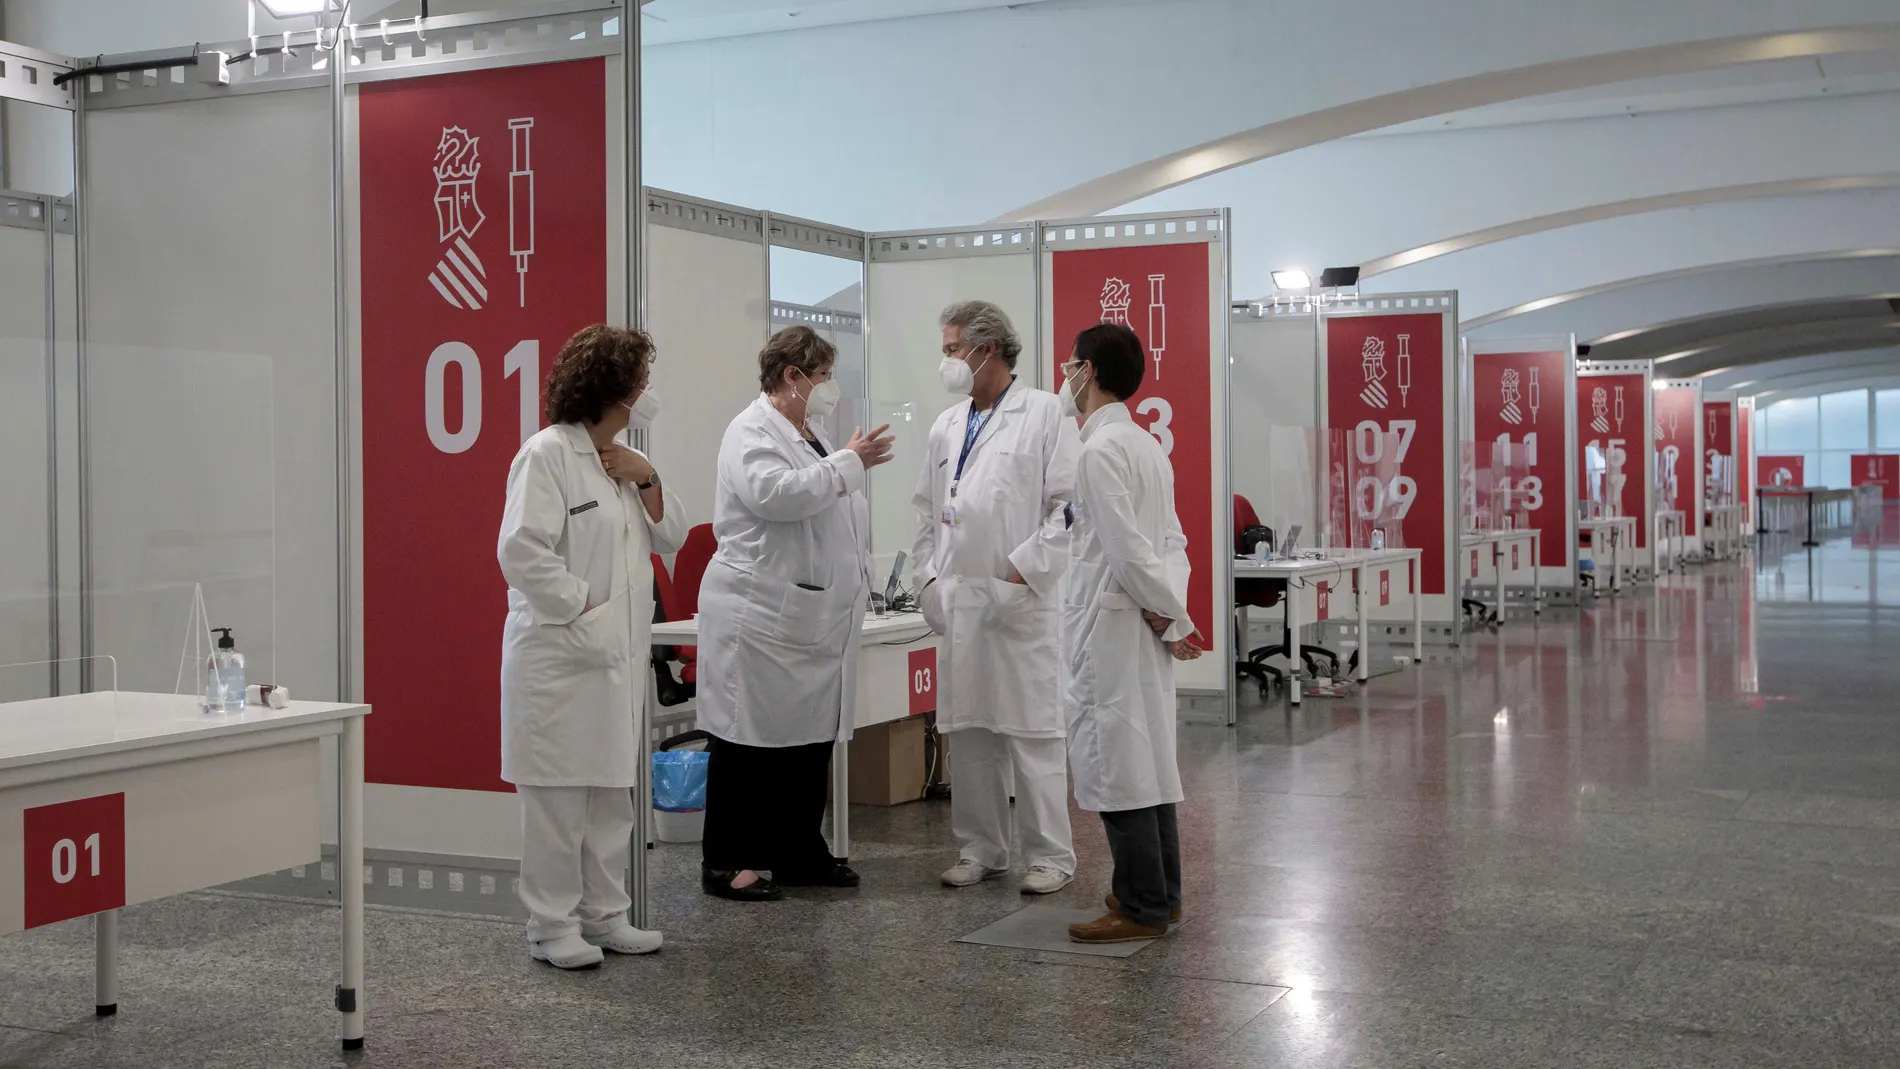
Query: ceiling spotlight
{"x": 1292, "y": 278}
{"x": 1338, "y": 277}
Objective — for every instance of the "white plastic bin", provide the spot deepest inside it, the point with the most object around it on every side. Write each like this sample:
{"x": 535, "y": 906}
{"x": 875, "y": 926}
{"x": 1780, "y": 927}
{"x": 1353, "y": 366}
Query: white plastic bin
{"x": 686, "y": 827}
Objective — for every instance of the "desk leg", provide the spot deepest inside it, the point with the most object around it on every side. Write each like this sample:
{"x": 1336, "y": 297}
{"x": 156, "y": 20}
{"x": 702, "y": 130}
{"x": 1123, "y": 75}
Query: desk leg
{"x": 105, "y": 963}
{"x": 1497, "y": 565}
{"x": 1365, "y": 624}
{"x": 1537, "y": 572}
{"x": 1293, "y": 626}
{"x": 349, "y": 996}
{"x": 841, "y": 799}
{"x": 1418, "y": 610}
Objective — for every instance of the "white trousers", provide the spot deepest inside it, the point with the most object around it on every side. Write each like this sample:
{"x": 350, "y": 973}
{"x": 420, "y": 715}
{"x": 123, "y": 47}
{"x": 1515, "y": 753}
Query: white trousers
{"x": 985, "y": 765}
{"x": 575, "y": 843}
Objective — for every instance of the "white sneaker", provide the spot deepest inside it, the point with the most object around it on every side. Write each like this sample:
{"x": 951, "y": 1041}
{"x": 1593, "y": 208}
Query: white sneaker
{"x": 967, "y": 873}
{"x": 626, "y": 939}
{"x": 1044, "y": 880}
{"x": 567, "y": 952}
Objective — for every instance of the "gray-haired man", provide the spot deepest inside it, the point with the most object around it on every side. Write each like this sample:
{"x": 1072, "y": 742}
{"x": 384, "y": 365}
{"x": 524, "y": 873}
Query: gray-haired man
{"x": 992, "y": 546}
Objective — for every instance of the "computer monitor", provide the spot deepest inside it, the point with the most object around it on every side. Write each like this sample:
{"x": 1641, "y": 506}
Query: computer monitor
{"x": 897, "y": 572}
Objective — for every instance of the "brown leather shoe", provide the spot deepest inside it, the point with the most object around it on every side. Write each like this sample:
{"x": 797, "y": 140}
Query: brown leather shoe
{"x": 1113, "y": 928}
{"x": 1115, "y": 907}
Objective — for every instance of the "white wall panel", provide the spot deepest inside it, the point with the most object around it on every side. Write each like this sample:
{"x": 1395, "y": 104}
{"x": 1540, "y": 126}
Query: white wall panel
{"x": 212, "y": 383}
{"x": 905, "y": 346}
{"x": 25, "y": 605}
{"x": 707, "y": 312}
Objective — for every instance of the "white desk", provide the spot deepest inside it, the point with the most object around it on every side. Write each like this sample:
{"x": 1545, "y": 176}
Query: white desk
{"x": 1617, "y": 532}
{"x": 1497, "y": 540}
{"x": 115, "y": 798}
{"x": 1669, "y": 535}
{"x": 1335, "y": 564}
{"x": 885, "y": 686}
{"x": 1724, "y": 527}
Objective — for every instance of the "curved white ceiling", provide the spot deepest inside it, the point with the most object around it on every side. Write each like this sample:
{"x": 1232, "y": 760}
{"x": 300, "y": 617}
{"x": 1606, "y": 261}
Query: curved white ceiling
{"x": 1460, "y": 94}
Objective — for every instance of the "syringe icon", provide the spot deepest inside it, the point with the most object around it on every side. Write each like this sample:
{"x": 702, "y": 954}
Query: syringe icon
{"x": 1532, "y": 393}
{"x": 1157, "y": 321}
{"x": 521, "y": 201}
{"x": 1405, "y": 367}
{"x": 1619, "y": 408}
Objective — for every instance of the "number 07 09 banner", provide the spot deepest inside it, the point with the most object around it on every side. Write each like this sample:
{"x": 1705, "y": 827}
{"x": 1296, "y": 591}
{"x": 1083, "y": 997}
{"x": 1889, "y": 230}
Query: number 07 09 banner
{"x": 484, "y": 245}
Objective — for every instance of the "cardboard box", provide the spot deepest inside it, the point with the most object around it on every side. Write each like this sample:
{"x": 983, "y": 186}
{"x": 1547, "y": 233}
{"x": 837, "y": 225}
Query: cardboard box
{"x": 887, "y": 762}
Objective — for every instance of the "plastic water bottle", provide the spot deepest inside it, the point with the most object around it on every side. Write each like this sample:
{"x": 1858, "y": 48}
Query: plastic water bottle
{"x": 224, "y": 676}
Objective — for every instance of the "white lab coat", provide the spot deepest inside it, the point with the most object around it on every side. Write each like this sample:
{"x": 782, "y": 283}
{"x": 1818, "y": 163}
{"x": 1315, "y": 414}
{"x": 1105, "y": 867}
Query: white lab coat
{"x": 571, "y": 535}
{"x": 1127, "y": 553}
{"x": 1001, "y": 669}
{"x": 778, "y": 659}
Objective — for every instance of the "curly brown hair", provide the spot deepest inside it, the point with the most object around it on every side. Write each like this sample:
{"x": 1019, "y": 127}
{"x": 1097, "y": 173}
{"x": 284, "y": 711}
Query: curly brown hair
{"x": 599, "y": 366}
{"x": 794, "y": 347}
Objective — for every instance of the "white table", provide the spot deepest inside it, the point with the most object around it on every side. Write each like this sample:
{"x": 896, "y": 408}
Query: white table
{"x": 1335, "y": 564}
{"x": 1497, "y": 540}
{"x": 1611, "y": 530}
{"x": 885, "y": 686}
{"x": 114, "y": 798}
{"x": 1669, "y": 534}
{"x": 1724, "y": 527}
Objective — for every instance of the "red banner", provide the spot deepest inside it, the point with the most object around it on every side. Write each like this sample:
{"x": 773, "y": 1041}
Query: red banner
{"x": 1775, "y": 471}
{"x": 1877, "y": 469}
{"x": 1613, "y": 445}
{"x": 1517, "y": 418}
{"x": 484, "y": 245}
{"x": 1745, "y": 459}
{"x": 1676, "y": 415}
{"x": 1385, "y": 390}
{"x": 1718, "y": 450}
{"x": 1161, "y": 292}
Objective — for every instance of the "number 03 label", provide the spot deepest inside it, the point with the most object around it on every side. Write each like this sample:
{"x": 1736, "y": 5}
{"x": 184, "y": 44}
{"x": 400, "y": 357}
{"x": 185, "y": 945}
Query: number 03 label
{"x": 74, "y": 859}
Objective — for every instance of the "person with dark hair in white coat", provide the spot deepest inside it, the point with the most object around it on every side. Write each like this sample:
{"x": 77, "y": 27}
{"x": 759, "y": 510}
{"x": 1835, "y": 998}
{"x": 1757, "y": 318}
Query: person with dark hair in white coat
{"x": 1124, "y": 623}
{"x": 584, "y": 513}
{"x": 992, "y": 546}
{"x": 780, "y": 609}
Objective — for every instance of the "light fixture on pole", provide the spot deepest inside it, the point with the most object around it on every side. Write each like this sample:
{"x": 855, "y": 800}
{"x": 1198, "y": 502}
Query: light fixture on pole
{"x": 1292, "y": 280}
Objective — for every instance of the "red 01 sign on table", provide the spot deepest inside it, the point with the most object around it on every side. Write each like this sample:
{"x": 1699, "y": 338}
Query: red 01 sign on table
{"x": 484, "y": 245}
{"x": 73, "y": 859}
{"x": 1385, "y": 389}
{"x": 1517, "y": 419}
{"x": 1160, "y": 292}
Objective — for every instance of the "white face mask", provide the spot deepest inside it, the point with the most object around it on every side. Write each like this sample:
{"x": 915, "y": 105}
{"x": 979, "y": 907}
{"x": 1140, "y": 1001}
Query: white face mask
{"x": 1071, "y": 407}
{"x": 958, "y": 376}
{"x": 643, "y": 411}
{"x": 822, "y": 398}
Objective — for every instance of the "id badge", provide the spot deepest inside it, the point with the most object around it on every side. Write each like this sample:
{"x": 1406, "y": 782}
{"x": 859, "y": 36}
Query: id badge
{"x": 949, "y": 516}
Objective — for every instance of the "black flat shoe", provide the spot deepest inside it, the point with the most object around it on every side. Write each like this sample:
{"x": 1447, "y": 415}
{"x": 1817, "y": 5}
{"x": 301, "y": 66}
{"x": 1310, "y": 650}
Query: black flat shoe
{"x": 838, "y": 875}
{"x": 719, "y": 885}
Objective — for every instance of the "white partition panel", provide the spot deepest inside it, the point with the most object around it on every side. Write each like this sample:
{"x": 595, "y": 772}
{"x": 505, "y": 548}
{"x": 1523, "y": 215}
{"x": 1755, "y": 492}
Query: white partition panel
{"x": 25, "y": 566}
{"x": 1274, "y": 413}
{"x": 211, "y": 383}
{"x": 707, "y": 310}
{"x": 910, "y": 279}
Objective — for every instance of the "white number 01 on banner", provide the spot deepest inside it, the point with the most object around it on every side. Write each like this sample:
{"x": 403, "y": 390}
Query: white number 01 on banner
{"x": 523, "y": 363}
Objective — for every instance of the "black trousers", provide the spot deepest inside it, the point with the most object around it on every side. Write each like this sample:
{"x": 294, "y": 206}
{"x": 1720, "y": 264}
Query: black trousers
{"x": 1146, "y": 847}
{"x": 765, "y": 808}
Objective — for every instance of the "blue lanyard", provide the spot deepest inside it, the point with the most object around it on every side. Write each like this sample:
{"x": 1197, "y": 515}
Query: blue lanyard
{"x": 972, "y": 430}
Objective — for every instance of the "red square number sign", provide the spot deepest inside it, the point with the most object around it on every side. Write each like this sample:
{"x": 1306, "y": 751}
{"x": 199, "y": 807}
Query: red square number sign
{"x": 75, "y": 858}
{"x": 923, "y": 681}
{"x": 1325, "y": 600}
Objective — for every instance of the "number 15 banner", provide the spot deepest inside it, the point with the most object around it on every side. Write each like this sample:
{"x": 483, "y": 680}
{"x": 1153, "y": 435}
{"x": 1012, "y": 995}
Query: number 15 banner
{"x": 484, "y": 245}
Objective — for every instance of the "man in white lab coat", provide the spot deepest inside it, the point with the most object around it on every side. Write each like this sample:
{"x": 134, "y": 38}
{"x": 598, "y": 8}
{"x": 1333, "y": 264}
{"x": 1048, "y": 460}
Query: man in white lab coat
{"x": 992, "y": 546}
{"x": 1124, "y": 623}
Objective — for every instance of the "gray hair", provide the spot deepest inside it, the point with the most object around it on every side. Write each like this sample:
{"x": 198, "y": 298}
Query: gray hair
{"x": 984, "y": 324}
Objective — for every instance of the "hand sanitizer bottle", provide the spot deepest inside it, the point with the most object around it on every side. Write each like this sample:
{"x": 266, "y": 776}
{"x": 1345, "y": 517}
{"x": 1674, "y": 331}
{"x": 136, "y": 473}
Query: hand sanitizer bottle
{"x": 224, "y": 682}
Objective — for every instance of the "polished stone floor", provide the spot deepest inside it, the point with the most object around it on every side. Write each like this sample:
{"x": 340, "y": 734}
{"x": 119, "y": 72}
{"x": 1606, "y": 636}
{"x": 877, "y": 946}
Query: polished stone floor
{"x": 1663, "y": 830}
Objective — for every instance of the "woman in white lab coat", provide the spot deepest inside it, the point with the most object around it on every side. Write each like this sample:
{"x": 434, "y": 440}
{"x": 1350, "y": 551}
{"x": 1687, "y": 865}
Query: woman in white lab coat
{"x": 779, "y": 612}
{"x": 584, "y": 513}
{"x": 1124, "y": 622}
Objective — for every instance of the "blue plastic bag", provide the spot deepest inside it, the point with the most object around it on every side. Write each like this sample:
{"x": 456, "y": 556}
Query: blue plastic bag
{"x": 679, "y": 780}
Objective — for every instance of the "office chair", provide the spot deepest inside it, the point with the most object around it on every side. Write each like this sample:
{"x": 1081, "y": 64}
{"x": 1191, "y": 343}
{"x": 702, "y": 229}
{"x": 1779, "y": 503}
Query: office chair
{"x": 1265, "y": 594}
